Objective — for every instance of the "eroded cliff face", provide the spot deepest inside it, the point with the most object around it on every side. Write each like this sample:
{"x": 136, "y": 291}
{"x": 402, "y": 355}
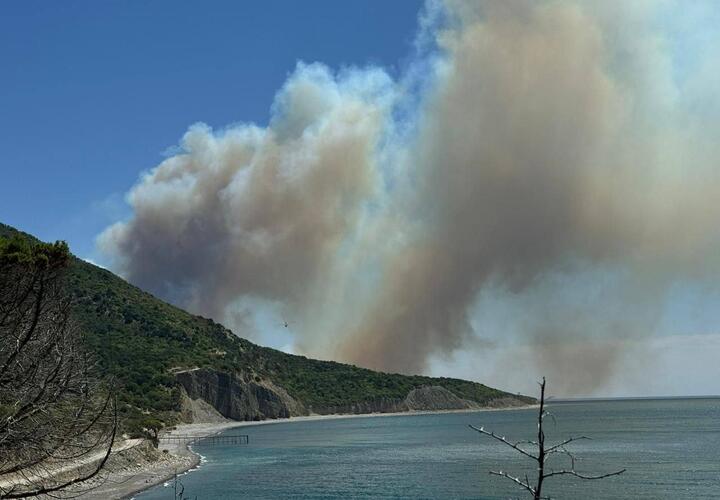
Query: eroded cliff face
{"x": 197, "y": 410}
{"x": 431, "y": 398}
{"x": 426, "y": 398}
{"x": 236, "y": 398}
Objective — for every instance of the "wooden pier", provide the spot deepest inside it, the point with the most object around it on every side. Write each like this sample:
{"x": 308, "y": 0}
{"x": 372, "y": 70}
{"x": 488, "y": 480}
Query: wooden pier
{"x": 237, "y": 439}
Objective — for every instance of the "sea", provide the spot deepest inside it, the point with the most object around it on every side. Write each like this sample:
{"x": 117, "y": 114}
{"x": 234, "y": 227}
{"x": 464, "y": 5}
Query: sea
{"x": 670, "y": 449}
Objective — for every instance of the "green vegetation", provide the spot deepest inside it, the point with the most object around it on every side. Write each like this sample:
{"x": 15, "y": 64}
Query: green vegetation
{"x": 31, "y": 254}
{"x": 140, "y": 340}
{"x": 327, "y": 383}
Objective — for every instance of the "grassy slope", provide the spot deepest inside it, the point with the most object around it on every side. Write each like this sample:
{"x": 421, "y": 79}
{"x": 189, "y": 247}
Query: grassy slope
{"x": 139, "y": 339}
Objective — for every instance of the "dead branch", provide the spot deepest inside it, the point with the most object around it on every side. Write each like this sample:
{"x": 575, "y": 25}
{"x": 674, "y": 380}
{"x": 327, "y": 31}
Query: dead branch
{"x": 542, "y": 455}
{"x": 502, "y": 439}
{"x": 53, "y": 408}
{"x": 584, "y": 476}
{"x": 525, "y": 484}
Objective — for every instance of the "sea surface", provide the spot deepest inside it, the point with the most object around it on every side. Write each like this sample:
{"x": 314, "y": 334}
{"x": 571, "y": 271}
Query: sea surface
{"x": 670, "y": 448}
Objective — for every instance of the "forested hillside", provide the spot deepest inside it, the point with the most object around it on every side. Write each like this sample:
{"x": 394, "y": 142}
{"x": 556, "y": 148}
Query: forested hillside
{"x": 141, "y": 341}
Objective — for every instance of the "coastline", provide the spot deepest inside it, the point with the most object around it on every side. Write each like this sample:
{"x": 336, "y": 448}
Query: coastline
{"x": 120, "y": 485}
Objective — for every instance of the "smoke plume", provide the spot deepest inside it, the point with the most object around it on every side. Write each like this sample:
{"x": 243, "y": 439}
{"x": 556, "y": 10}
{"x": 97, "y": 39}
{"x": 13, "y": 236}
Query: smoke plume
{"x": 539, "y": 176}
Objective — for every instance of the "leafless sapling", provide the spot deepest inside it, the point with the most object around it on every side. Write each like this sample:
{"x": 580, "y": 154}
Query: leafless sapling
{"x": 539, "y": 452}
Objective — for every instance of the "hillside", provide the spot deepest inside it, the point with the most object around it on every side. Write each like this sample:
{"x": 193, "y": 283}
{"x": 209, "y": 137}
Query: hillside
{"x": 145, "y": 343}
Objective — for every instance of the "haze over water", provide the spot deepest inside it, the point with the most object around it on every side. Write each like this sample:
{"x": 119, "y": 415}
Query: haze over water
{"x": 669, "y": 447}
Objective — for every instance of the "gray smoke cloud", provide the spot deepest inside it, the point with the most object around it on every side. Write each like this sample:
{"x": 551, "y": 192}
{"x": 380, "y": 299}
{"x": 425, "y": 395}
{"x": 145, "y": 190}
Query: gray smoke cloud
{"x": 543, "y": 158}
{"x": 257, "y": 211}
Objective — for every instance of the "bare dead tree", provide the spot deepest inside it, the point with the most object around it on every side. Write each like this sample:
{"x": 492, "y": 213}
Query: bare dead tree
{"x": 54, "y": 411}
{"x": 540, "y": 453}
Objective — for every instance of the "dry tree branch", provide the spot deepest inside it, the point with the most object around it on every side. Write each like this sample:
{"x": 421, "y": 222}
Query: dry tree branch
{"x": 567, "y": 441}
{"x": 502, "y": 439}
{"x": 543, "y": 453}
{"x": 64, "y": 485}
{"x": 572, "y": 472}
{"x": 53, "y": 409}
{"x": 525, "y": 484}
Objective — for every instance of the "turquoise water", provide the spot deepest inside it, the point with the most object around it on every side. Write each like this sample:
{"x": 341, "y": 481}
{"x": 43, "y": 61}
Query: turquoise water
{"x": 671, "y": 449}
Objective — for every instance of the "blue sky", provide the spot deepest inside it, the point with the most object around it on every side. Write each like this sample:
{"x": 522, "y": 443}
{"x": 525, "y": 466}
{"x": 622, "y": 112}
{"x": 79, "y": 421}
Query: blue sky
{"x": 93, "y": 93}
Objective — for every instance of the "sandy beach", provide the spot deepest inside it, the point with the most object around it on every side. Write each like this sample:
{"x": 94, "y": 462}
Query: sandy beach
{"x": 143, "y": 474}
{"x": 142, "y": 471}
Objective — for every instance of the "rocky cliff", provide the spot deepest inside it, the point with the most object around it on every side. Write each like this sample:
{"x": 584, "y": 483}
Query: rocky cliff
{"x": 238, "y": 399}
{"x": 235, "y": 398}
{"x": 426, "y": 398}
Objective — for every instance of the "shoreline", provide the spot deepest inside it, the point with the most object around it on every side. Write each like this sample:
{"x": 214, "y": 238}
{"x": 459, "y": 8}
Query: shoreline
{"x": 128, "y": 489}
